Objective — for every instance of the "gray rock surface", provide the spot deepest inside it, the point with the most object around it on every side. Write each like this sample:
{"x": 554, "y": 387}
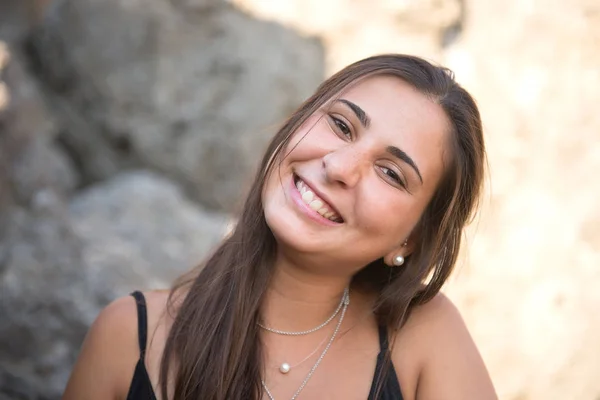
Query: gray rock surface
{"x": 140, "y": 232}
{"x": 190, "y": 88}
{"x": 95, "y": 98}
{"x": 13, "y": 20}
{"x": 43, "y": 313}
{"x": 45, "y": 297}
{"x": 28, "y": 129}
{"x": 136, "y": 231}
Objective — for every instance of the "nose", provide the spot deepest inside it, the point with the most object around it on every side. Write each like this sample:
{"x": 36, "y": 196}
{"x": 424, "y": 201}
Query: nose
{"x": 342, "y": 165}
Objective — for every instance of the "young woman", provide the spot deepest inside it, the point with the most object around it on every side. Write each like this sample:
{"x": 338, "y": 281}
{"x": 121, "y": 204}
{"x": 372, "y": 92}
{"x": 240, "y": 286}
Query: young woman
{"x": 328, "y": 287}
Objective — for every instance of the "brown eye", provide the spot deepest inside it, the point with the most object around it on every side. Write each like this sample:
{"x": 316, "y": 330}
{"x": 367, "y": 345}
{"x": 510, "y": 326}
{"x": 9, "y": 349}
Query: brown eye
{"x": 342, "y": 127}
{"x": 393, "y": 175}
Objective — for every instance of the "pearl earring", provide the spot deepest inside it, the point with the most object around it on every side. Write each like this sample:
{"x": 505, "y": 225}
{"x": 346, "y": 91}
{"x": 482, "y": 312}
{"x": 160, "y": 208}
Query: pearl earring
{"x": 398, "y": 261}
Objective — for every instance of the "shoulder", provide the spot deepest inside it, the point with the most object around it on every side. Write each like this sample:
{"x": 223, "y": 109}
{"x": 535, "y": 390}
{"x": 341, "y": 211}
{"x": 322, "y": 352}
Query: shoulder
{"x": 444, "y": 357}
{"x": 437, "y": 313}
{"x": 110, "y": 350}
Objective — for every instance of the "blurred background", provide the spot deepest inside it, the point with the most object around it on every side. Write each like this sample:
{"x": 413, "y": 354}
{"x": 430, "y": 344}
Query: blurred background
{"x": 129, "y": 128}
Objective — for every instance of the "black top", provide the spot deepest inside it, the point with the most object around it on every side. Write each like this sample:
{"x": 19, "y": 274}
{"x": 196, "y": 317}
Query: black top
{"x": 141, "y": 388}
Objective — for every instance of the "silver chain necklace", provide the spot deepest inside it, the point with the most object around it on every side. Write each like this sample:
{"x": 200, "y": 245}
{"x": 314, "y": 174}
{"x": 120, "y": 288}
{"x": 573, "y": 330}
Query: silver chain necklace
{"x": 324, "y": 324}
{"x": 285, "y": 367}
{"x": 345, "y": 302}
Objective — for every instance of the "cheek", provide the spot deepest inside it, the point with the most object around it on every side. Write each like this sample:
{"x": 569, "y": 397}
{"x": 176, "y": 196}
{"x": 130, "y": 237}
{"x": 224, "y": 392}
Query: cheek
{"x": 314, "y": 135}
{"x": 388, "y": 216}
{"x": 274, "y": 185}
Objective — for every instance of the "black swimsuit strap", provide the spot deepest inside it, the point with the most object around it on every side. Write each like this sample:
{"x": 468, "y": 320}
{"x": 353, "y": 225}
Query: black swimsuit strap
{"x": 383, "y": 339}
{"x": 140, "y": 303}
{"x": 380, "y": 379}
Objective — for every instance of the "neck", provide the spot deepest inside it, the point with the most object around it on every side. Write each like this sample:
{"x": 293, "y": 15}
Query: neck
{"x": 299, "y": 299}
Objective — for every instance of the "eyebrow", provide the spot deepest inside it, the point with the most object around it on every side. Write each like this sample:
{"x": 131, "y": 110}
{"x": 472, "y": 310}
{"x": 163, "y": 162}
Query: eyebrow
{"x": 360, "y": 113}
{"x": 393, "y": 150}
{"x": 396, "y": 152}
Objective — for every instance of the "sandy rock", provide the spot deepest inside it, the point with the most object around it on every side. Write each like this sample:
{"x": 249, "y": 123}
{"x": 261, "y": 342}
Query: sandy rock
{"x": 352, "y": 30}
{"x": 530, "y": 291}
{"x": 527, "y": 285}
{"x": 187, "y": 87}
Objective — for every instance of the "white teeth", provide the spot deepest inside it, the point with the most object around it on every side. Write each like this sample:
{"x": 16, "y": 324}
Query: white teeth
{"x": 301, "y": 188}
{"x": 308, "y": 196}
{"x": 323, "y": 210}
{"x": 314, "y": 202}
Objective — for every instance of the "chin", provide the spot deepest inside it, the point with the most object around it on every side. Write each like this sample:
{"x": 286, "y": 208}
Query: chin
{"x": 292, "y": 234}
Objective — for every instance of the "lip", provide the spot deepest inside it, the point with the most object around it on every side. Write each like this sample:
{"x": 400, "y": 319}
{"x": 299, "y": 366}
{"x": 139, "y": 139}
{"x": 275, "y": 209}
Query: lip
{"x": 306, "y": 210}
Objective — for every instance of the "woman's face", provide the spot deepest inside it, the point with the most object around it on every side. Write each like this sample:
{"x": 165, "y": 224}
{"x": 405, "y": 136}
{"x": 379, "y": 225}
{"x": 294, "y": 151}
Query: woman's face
{"x": 358, "y": 174}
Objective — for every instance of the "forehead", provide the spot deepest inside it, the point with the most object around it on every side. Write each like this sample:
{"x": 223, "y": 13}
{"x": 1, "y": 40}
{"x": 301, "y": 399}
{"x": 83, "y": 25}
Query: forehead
{"x": 402, "y": 116}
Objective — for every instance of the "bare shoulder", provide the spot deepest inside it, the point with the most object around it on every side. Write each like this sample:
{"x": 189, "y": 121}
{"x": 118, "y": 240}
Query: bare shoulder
{"x": 438, "y": 312}
{"x": 444, "y": 359}
{"x": 108, "y": 353}
{"x": 110, "y": 350}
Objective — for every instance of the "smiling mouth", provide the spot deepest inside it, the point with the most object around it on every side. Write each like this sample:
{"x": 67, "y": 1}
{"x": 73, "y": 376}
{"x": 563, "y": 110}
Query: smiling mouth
{"x": 316, "y": 203}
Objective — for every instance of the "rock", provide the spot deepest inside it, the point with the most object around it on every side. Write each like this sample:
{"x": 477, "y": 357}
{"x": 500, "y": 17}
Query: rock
{"x": 140, "y": 232}
{"x": 531, "y": 294}
{"x": 13, "y": 20}
{"x": 5, "y": 187}
{"x": 53, "y": 277}
{"x": 197, "y": 5}
{"x": 16, "y": 387}
{"x": 173, "y": 86}
{"x": 43, "y": 312}
{"x": 189, "y": 88}
{"x": 136, "y": 231}
{"x": 27, "y": 131}
{"x": 45, "y": 301}
{"x": 65, "y": 254}
{"x": 527, "y": 285}
{"x": 352, "y": 30}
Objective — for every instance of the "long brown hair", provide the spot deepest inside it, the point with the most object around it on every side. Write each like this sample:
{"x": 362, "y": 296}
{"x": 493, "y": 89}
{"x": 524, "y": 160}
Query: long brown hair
{"x": 214, "y": 351}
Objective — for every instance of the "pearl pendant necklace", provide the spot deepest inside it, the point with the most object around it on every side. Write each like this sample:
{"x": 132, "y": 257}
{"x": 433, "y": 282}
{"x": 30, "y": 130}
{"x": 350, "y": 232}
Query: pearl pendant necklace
{"x": 284, "y": 368}
{"x": 345, "y": 302}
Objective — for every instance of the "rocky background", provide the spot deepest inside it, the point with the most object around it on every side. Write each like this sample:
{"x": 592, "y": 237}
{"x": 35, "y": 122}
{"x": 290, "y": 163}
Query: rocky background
{"x": 128, "y": 129}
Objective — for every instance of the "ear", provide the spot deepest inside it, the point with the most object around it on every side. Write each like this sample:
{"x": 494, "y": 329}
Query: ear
{"x": 404, "y": 249}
